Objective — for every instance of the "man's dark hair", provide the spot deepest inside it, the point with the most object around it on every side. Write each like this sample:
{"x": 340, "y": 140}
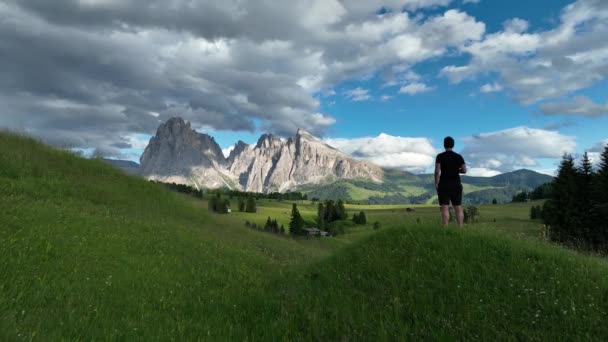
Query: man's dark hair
{"x": 448, "y": 142}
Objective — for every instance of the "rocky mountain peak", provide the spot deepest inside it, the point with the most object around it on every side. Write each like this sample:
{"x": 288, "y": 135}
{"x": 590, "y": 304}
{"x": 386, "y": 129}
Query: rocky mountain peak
{"x": 239, "y": 148}
{"x": 302, "y": 134}
{"x": 267, "y": 140}
{"x": 178, "y": 152}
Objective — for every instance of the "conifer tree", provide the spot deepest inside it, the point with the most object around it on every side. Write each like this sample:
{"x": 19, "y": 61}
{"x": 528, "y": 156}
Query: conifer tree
{"x": 362, "y": 218}
{"x": 241, "y": 204}
{"x": 585, "y": 199}
{"x": 251, "y": 205}
{"x": 561, "y": 210}
{"x": 330, "y": 211}
{"x": 268, "y": 225}
{"x": 340, "y": 211}
{"x": 297, "y": 223}
{"x": 211, "y": 204}
{"x": 216, "y": 203}
{"x": 599, "y": 210}
{"x": 275, "y": 226}
{"x": 533, "y": 213}
{"x": 602, "y": 177}
{"x": 321, "y": 216}
{"x": 224, "y": 207}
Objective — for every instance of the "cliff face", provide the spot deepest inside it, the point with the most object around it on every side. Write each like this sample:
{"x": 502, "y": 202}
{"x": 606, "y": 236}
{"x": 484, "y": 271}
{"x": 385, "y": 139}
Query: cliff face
{"x": 178, "y": 153}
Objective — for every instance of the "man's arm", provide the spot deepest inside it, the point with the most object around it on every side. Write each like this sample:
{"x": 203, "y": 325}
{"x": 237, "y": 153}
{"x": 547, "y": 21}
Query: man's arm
{"x": 437, "y": 172}
{"x": 463, "y": 168}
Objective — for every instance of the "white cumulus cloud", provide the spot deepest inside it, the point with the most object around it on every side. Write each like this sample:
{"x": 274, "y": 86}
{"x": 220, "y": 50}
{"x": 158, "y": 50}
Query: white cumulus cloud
{"x": 403, "y": 153}
{"x": 547, "y": 64}
{"x": 482, "y": 172}
{"x": 358, "y": 94}
{"x": 490, "y": 88}
{"x": 415, "y": 88}
{"x": 515, "y": 148}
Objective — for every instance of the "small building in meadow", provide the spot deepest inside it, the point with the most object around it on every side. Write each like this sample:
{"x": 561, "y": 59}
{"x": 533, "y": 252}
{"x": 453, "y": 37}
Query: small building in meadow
{"x": 312, "y": 231}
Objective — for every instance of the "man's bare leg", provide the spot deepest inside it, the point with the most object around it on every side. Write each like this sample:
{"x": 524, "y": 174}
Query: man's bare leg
{"x": 445, "y": 215}
{"x": 459, "y": 215}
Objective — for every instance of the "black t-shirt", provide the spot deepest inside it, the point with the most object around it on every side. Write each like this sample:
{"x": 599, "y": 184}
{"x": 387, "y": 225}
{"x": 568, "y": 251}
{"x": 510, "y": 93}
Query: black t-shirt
{"x": 450, "y": 165}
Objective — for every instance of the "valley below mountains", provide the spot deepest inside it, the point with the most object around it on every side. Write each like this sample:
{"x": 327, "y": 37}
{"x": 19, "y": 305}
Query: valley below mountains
{"x": 179, "y": 154}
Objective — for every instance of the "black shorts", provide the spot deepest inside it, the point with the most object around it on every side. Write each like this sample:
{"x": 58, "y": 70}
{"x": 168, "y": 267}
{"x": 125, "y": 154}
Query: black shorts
{"x": 450, "y": 192}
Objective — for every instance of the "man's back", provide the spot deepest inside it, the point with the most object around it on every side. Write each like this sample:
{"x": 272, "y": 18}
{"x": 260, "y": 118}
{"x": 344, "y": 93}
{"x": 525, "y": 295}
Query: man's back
{"x": 451, "y": 162}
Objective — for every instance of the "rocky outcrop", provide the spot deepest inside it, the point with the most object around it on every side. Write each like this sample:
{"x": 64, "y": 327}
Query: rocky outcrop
{"x": 239, "y": 148}
{"x": 282, "y": 165}
{"x": 179, "y": 154}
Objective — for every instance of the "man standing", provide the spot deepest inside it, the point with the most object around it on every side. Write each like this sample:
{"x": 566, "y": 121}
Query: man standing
{"x": 449, "y": 165}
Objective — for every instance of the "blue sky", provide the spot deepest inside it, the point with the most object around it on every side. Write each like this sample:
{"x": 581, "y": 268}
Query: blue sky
{"x": 460, "y": 110}
{"x": 516, "y": 83}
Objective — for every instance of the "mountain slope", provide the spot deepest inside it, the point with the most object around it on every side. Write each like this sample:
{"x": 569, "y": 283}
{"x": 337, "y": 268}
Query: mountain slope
{"x": 89, "y": 253}
{"x": 124, "y": 165}
{"x": 401, "y": 187}
{"x": 523, "y": 177}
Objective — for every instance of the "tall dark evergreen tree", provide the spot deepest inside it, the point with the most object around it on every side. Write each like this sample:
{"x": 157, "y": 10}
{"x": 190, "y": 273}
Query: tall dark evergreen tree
{"x": 223, "y": 206}
{"x": 330, "y": 211}
{"x": 212, "y": 203}
{"x": 340, "y": 211}
{"x": 321, "y": 216}
{"x": 599, "y": 210}
{"x": 602, "y": 177}
{"x": 275, "y": 226}
{"x": 362, "y": 218}
{"x": 561, "y": 212}
{"x": 533, "y": 213}
{"x": 585, "y": 200}
{"x": 241, "y": 204}
{"x": 251, "y": 206}
{"x": 296, "y": 225}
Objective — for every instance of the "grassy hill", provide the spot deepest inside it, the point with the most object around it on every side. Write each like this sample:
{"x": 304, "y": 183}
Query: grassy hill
{"x": 88, "y": 253}
{"x": 400, "y": 187}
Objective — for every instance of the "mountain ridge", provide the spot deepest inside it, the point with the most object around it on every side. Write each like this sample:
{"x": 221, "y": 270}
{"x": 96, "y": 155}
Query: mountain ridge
{"x": 179, "y": 154}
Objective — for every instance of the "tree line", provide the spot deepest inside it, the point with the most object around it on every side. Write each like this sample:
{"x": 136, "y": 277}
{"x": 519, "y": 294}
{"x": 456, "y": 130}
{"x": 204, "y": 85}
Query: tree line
{"x": 185, "y": 189}
{"x": 329, "y": 212}
{"x": 576, "y": 213}
{"x": 271, "y": 226}
{"x": 279, "y": 196}
{"x": 544, "y": 191}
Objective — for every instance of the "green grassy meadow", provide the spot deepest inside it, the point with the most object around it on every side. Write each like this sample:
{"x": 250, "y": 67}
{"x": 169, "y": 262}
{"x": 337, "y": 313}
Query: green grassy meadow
{"x": 88, "y": 253}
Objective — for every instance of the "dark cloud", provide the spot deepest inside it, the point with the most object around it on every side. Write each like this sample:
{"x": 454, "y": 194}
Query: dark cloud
{"x": 95, "y": 73}
{"x": 580, "y": 105}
